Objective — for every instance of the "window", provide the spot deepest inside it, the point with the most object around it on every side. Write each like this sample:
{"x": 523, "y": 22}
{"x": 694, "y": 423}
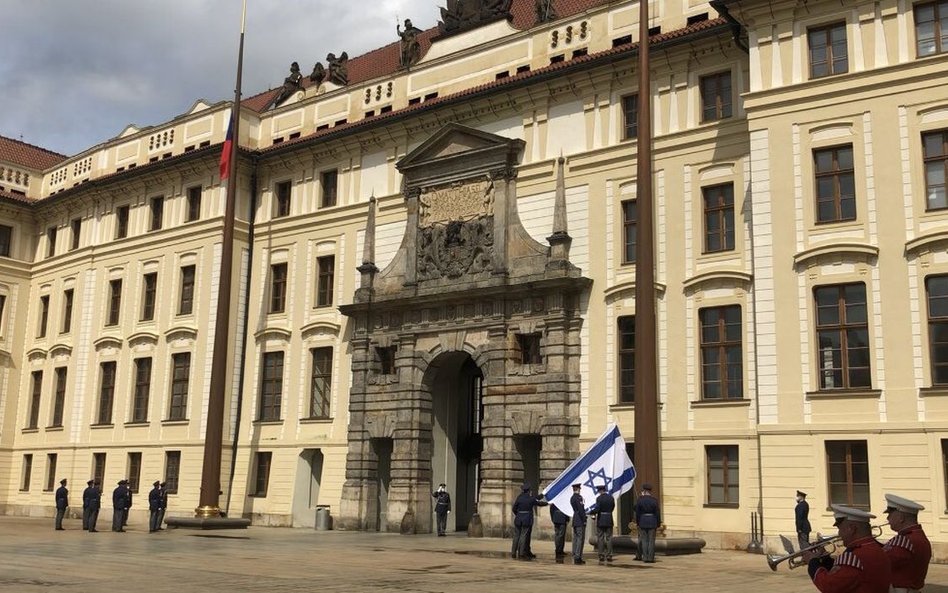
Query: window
{"x": 51, "y": 241}
{"x": 44, "y": 316}
{"x": 723, "y": 477}
{"x": 715, "y": 96}
{"x": 386, "y": 359}
{"x": 321, "y": 383}
{"x": 529, "y": 346}
{"x": 142, "y": 390}
{"x": 944, "y": 464}
{"x": 67, "y": 310}
{"x": 3, "y": 302}
{"x": 330, "y": 183}
{"x": 51, "y": 459}
{"x": 630, "y": 114}
{"x": 76, "y": 227}
{"x": 194, "y": 203}
{"x": 842, "y": 330}
{"x": 271, "y": 388}
{"x": 186, "y": 304}
{"x": 157, "y": 213}
{"x": 931, "y": 28}
{"x": 180, "y": 371}
{"x": 27, "y": 472}
{"x": 718, "y": 218}
{"x": 325, "y": 274}
{"x": 828, "y": 52}
{"x": 722, "y": 357}
{"x": 59, "y": 401}
{"x": 134, "y": 471}
{"x": 936, "y": 288}
{"x": 847, "y": 464}
{"x": 172, "y": 469}
{"x": 630, "y": 222}
{"x": 6, "y": 240}
{"x": 106, "y": 392}
{"x": 626, "y": 359}
{"x": 262, "y": 473}
{"x": 277, "y": 288}
{"x": 35, "y": 399}
{"x": 835, "y": 184}
{"x": 149, "y": 291}
{"x": 121, "y": 222}
{"x": 281, "y": 206}
{"x": 115, "y": 301}
{"x": 936, "y": 163}
{"x": 98, "y": 468}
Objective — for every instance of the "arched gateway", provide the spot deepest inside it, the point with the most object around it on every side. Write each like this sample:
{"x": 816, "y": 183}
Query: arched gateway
{"x": 466, "y": 348}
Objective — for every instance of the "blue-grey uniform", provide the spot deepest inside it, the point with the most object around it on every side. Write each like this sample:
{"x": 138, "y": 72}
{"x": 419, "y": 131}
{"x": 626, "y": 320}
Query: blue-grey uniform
{"x": 91, "y": 502}
{"x": 579, "y": 523}
{"x": 154, "y": 507}
{"x": 603, "y": 508}
{"x": 121, "y": 501}
{"x": 802, "y": 515}
{"x": 560, "y": 520}
{"x": 62, "y": 503}
{"x": 523, "y": 522}
{"x": 442, "y": 508}
{"x": 164, "y": 505}
{"x": 647, "y": 517}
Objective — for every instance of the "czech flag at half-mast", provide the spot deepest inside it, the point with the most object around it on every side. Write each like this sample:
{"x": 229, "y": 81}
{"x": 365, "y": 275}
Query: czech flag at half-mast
{"x": 226, "y": 150}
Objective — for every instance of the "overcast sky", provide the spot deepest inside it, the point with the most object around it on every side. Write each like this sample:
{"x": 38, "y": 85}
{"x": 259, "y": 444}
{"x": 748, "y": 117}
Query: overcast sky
{"x": 76, "y": 72}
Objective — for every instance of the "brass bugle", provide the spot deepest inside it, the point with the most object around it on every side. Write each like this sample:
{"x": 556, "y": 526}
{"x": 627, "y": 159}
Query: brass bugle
{"x": 815, "y": 550}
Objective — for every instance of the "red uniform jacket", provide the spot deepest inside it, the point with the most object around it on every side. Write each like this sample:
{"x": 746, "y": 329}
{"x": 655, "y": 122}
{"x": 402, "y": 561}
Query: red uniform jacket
{"x": 909, "y": 552}
{"x": 862, "y": 568}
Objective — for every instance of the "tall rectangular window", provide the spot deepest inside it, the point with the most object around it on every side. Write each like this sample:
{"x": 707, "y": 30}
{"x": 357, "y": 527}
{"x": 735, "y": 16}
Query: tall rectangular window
{"x": 262, "y": 473}
{"x": 529, "y": 346}
{"x": 98, "y": 468}
{"x": 722, "y": 355}
{"x": 76, "y": 227}
{"x": 186, "y": 304}
{"x": 936, "y": 289}
{"x": 630, "y": 222}
{"x": 277, "y": 288}
{"x": 330, "y": 184}
{"x": 944, "y": 464}
{"x": 715, "y": 96}
{"x": 626, "y": 359}
{"x": 36, "y": 398}
{"x": 630, "y": 117}
{"x": 67, "y": 310}
{"x": 172, "y": 469}
{"x": 6, "y": 240}
{"x": 157, "y": 213}
{"x": 51, "y": 461}
{"x": 25, "y": 478}
{"x": 194, "y": 203}
{"x": 134, "y": 471}
{"x": 723, "y": 476}
{"x": 115, "y": 301}
{"x": 847, "y": 465}
{"x": 281, "y": 206}
{"x": 59, "y": 400}
{"x": 828, "y": 50}
{"x": 931, "y": 28}
{"x": 3, "y": 302}
{"x": 44, "y": 316}
{"x": 718, "y": 218}
{"x": 320, "y": 383}
{"x": 835, "y": 184}
{"x": 180, "y": 372}
{"x": 386, "y": 356}
{"x": 51, "y": 241}
{"x": 935, "y": 146}
{"x": 325, "y": 274}
{"x": 121, "y": 222}
{"x": 842, "y": 331}
{"x": 142, "y": 390}
{"x": 106, "y": 392}
{"x": 271, "y": 387}
{"x": 149, "y": 294}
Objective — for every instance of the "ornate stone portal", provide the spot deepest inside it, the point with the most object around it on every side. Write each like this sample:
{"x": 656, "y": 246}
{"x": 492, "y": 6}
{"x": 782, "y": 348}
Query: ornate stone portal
{"x": 465, "y": 349}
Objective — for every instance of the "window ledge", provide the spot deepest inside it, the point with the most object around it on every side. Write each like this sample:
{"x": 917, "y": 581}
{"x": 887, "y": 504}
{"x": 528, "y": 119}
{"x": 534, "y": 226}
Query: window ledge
{"x": 257, "y": 495}
{"x": 175, "y": 422}
{"x": 720, "y": 403}
{"x": 30, "y": 430}
{"x": 316, "y": 420}
{"x": 102, "y": 425}
{"x": 933, "y": 391}
{"x": 722, "y": 505}
{"x": 137, "y": 423}
{"x": 55, "y": 428}
{"x": 629, "y": 406}
{"x": 268, "y": 422}
{"x": 844, "y": 393}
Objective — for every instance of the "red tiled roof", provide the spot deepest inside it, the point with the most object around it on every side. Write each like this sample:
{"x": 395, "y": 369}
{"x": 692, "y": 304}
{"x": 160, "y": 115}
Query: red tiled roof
{"x": 27, "y": 155}
{"x": 385, "y": 60}
{"x": 15, "y": 196}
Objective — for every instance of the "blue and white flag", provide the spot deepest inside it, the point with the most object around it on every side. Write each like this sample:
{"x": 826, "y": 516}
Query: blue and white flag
{"x": 605, "y": 463}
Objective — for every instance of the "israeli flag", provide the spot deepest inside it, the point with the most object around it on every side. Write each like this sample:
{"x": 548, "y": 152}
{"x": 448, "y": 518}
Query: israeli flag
{"x": 604, "y": 463}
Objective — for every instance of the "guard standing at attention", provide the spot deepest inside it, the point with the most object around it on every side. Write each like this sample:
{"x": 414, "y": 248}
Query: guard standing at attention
{"x": 560, "y": 520}
{"x": 442, "y": 507}
{"x": 863, "y": 567}
{"x": 909, "y": 551}
{"x": 603, "y": 508}
{"x": 93, "y": 503}
{"x": 62, "y": 503}
{"x": 648, "y": 517}
{"x": 86, "y": 494}
{"x": 579, "y": 523}
{"x": 523, "y": 522}
{"x": 154, "y": 506}
{"x": 164, "y": 505}
{"x": 121, "y": 501}
{"x": 802, "y": 512}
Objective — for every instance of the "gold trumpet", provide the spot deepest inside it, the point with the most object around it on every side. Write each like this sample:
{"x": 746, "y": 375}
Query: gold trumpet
{"x": 822, "y": 547}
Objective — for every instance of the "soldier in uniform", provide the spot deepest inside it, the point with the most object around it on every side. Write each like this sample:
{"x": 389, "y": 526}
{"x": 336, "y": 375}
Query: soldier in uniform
{"x": 91, "y": 501}
{"x": 85, "y": 505}
{"x": 120, "y": 503}
{"x": 442, "y": 507}
{"x": 602, "y": 510}
{"x": 62, "y": 503}
{"x": 648, "y": 517}
{"x": 164, "y": 505}
{"x": 523, "y": 522}
{"x": 579, "y": 523}
{"x": 154, "y": 506}
{"x": 560, "y": 520}
{"x": 863, "y": 567}
{"x": 802, "y": 513}
{"x": 909, "y": 551}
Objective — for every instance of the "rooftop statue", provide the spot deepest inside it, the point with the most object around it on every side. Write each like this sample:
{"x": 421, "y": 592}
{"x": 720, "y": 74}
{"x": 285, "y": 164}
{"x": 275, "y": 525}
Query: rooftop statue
{"x": 291, "y": 83}
{"x": 338, "y": 68}
{"x": 545, "y": 11}
{"x": 319, "y": 74}
{"x": 410, "y": 49}
{"x": 461, "y": 15}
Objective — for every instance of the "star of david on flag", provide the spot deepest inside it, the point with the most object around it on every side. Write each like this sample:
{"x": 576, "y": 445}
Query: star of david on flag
{"x": 605, "y": 463}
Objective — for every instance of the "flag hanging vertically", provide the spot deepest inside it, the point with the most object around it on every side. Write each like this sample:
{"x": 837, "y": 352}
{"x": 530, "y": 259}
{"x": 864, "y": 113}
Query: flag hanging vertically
{"x": 605, "y": 463}
{"x": 226, "y": 151}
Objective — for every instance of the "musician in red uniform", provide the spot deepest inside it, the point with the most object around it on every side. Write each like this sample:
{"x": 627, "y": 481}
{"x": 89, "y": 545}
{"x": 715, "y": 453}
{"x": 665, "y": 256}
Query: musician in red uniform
{"x": 863, "y": 567}
{"x": 909, "y": 551}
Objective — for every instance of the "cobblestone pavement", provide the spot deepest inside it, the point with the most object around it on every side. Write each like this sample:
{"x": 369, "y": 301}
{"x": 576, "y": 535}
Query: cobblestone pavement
{"x": 34, "y": 557}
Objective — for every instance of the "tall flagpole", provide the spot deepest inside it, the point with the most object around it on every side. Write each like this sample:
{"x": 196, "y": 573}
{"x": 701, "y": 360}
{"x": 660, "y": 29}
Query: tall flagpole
{"x": 646, "y": 377}
{"x": 211, "y": 472}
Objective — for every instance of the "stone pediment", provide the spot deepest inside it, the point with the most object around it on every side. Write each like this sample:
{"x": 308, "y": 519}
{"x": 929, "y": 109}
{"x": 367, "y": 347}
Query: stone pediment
{"x": 458, "y": 152}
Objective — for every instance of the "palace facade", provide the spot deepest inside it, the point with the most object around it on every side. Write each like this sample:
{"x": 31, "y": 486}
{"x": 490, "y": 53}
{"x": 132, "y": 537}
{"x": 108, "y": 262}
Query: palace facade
{"x": 435, "y": 257}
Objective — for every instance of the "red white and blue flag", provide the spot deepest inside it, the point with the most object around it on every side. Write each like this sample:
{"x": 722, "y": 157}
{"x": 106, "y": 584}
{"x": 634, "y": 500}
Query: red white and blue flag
{"x": 226, "y": 150}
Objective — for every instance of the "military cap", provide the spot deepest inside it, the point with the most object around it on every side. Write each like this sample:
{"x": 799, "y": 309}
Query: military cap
{"x": 90, "y": 482}
{"x": 122, "y": 482}
{"x": 843, "y": 513}
{"x": 645, "y": 486}
{"x": 601, "y": 487}
{"x": 162, "y": 484}
{"x": 577, "y": 486}
{"x": 156, "y": 483}
{"x": 801, "y": 493}
{"x": 901, "y": 504}
{"x": 63, "y": 481}
{"x": 526, "y": 486}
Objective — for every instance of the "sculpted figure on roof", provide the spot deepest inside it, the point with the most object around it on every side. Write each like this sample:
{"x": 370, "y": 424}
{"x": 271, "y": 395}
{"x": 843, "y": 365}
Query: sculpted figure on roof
{"x": 291, "y": 83}
{"x": 318, "y": 74}
{"x": 338, "y": 68}
{"x": 409, "y": 46}
{"x": 545, "y": 11}
{"x": 461, "y": 15}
